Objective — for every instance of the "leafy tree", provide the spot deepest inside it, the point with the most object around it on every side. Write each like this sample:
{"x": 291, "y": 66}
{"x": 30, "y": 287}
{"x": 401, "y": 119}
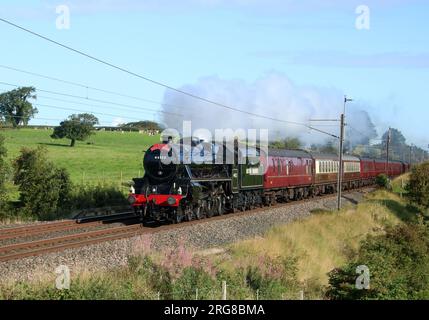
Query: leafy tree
{"x": 398, "y": 264}
{"x": 15, "y": 108}
{"x": 396, "y": 137}
{"x": 361, "y": 129}
{"x": 418, "y": 185}
{"x": 398, "y": 148}
{"x": 327, "y": 147}
{"x": 44, "y": 188}
{"x": 288, "y": 143}
{"x": 142, "y": 125}
{"x": 77, "y": 127}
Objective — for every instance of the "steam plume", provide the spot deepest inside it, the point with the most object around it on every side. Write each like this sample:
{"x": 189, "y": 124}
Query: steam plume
{"x": 273, "y": 95}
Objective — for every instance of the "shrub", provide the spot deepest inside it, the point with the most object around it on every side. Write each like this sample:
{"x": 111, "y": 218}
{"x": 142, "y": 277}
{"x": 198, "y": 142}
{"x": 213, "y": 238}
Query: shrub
{"x": 398, "y": 263}
{"x": 154, "y": 276}
{"x": 382, "y": 180}
{"x": 44, "y": 188}
{"x": 418, "y": 186}
{"x": 193, "y": 278}
{"x": 96, "y": 196}
{"x": 274, "y": 278}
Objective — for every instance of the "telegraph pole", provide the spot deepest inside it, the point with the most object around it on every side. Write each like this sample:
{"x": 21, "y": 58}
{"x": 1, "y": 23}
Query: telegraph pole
{"x": 341, "y": 148}
{"x": 340, "y": 167}
{"x": 341, "y": 151}
{"x": 387, "y": 152}
{"x": 411, "y": 153}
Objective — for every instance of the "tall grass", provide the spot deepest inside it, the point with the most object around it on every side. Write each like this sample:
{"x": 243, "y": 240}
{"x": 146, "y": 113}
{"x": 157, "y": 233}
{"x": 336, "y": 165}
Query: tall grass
{"x": 327, "y": 239}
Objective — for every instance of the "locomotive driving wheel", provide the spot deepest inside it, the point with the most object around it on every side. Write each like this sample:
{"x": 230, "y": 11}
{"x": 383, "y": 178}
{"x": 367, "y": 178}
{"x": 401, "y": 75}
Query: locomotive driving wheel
{"x": 178, "y": 215}
{"x": 218, "y": 206}
{"x": 188, "y": 213}
{"x": 209, "y": 209}
{"x": 198, "y": 212}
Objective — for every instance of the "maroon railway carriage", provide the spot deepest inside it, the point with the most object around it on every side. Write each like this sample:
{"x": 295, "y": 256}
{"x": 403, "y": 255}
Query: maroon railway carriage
{"x": 370, "y": 169}
{"x": 289, "y": 174}
{"x": 395, "y": 168}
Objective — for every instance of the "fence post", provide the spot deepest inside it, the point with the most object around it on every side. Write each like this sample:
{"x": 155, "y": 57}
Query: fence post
{"x": 257, "y": 294}
{"x": 159, "y": 295}
{"x": 121, "y": 179}
{"x": 301, "y": 295}
{"x": 196, "y": 294}
{"x": 223, "y": 290}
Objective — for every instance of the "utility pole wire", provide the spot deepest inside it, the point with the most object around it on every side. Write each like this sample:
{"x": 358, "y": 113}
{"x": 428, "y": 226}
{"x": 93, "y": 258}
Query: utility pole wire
{"x": 141, "y": 76}
{"x": 95, "y": 100}
{"x": 84, "y": 86}
{"x": 157, "y": 82}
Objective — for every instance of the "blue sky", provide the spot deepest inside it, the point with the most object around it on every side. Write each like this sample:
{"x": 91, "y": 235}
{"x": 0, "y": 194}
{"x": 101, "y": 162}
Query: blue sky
{"x": 313, "y": 43}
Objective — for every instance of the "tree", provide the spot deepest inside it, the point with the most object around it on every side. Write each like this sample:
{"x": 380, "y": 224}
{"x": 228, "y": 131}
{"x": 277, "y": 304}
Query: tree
{"x": 288, "y": 143}
{"x": 43, "y": 187}
{"x": 398, "y": 149}
{"x": 397, "y": 262}
{"x": 77, "y": 127}
{"x": 418, "y": 186}
{"x": 15, "y": 108}
{"x": 142, "y": 125}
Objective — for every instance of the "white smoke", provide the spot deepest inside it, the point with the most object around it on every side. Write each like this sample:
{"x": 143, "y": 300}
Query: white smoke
{"x": 273, "y": 95}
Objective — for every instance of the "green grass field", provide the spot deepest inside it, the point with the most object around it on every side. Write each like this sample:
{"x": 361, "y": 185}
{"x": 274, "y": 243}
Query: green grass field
{"x": 104, "y": 157}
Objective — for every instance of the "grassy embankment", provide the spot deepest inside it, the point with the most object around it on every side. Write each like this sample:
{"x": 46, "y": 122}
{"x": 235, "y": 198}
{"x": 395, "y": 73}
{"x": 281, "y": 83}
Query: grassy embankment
{"x": 287, "y": 259}
{"x": 328, "y": 239}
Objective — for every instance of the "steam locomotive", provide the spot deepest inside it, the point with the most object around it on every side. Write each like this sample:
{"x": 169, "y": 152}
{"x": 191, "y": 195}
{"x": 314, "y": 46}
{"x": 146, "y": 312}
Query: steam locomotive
{"x": 187, "y": 181}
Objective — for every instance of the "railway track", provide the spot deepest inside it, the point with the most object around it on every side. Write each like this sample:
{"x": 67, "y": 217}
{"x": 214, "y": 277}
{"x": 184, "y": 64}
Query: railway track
{"x": 38, "y": 247}
{"x": 27, "y": 249}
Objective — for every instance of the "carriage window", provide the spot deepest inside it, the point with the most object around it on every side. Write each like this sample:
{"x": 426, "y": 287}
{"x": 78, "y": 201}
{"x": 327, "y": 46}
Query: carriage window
{"x": 279, "y": 168}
